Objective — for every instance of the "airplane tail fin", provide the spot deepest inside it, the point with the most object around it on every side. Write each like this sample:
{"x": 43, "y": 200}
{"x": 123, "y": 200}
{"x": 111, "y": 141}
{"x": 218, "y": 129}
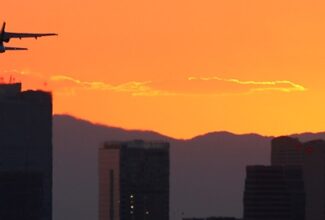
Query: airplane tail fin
{"x": 3, "y": 28}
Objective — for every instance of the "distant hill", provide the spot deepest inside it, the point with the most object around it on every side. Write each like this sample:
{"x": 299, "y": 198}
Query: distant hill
{"x": 207, "y": 172}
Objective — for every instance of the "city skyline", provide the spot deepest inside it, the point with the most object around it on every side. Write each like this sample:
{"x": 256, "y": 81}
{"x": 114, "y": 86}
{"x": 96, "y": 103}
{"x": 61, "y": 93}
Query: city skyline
{"x": 144, "y": 64}
{"x": 162, "y": 110}
{"x": 189, "y": 158}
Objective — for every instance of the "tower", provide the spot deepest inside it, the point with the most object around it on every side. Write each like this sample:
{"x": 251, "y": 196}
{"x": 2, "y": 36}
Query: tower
{"x": 274, "y": 192}
{"x": 310, "y": 157}
{"x": 134, "y": 181}
{"x": 25, "y": 154}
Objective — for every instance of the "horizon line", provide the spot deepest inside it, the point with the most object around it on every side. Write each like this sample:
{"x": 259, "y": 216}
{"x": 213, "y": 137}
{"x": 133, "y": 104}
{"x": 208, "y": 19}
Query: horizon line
{"x": 180, "y": 138}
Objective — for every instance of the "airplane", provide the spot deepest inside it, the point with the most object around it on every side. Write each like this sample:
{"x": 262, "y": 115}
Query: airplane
{"x": 6, "y": 36}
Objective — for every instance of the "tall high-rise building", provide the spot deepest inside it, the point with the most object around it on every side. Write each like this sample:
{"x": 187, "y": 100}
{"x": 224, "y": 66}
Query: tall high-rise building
{"x": 286, "y": 151}
{"x": 310, "y": 156}
{"x": 134, "y": 181}
{"x": 213, "y": 218}
{"x": 314, "y": 176}
{"x": 25, "y": 154}
{"x": 274, "y": 193}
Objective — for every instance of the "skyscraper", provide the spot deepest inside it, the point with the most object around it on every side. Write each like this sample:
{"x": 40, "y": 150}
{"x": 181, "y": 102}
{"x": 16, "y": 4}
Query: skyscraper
{"x": 25, "y": 154}
{"x": 134, "y": 181}
{"x": 274, "y": 193}
{"x": 287, "y": 151}
{"x": 310, "y": 156}
{"x": 213, "y": 218}
{"x": 314, "y": 176}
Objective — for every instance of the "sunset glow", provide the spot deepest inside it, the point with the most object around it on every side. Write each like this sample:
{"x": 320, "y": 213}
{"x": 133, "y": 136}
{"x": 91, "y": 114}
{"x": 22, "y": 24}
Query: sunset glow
{"x": 181, "y": 68}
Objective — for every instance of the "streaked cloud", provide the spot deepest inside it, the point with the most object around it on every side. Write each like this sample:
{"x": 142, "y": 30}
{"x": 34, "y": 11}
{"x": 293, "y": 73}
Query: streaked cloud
{"x": 132, "y": 87}
{"x": 192, "y": 86}
{"x": 278, "y": 85}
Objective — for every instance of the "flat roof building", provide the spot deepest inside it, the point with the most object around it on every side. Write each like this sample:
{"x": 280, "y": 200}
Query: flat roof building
{"x": 134, "y": 181}
{"x": 274, "y": 193}
{"x": 213, "y": 218}
{"x": 310, "y": 156}
{"x": 287, "y": 151}
{"x": 25, "y": 154}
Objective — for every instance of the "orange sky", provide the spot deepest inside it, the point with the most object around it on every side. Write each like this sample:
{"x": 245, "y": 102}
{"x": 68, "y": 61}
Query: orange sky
{"x": 179, "y": 67}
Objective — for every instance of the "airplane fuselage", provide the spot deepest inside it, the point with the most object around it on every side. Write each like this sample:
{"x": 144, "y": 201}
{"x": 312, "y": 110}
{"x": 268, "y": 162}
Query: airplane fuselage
{"x": 6, "y": 36}
{"x": 5, "y": 39}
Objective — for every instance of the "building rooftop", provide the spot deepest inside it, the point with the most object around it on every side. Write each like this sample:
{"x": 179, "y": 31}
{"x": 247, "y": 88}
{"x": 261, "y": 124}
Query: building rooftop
{"x": 136, "y": 144}
{"x": 9, "y": 90}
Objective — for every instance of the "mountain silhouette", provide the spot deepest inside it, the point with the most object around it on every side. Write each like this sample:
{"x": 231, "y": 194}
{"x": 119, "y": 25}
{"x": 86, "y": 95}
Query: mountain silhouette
{"x": 207, "y": 171}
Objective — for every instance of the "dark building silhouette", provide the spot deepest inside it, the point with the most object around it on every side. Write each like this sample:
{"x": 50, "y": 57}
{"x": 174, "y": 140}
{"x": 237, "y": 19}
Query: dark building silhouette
{"x": 213, "y": 218}
{"x": 193, "y": 218}
{"x": 134, "y": 181}
{"x": 310, "y": 156}
{"x": 222, "y": 218}
{"x": 286, "y": 151}
{"x": 25, "y": 154}
{"x": 274, "y": 193}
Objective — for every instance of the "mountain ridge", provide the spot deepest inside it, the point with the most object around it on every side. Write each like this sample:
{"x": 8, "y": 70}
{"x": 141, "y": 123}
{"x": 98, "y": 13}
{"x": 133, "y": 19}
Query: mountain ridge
{"x": 70, "y": 117}
{"x": 206, "y": 178}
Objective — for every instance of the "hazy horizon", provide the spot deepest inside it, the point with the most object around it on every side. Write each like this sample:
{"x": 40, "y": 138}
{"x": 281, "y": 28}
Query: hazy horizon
{"x": 180, "y": 138}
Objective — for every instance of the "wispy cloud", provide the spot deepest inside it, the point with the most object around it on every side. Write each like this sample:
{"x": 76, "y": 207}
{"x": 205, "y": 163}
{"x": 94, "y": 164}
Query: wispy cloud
{"x": 191, "y": 86}
{"x": 98, "y": 85}
{"x": 256, "y": 86}
{"x": 135, "y": 88}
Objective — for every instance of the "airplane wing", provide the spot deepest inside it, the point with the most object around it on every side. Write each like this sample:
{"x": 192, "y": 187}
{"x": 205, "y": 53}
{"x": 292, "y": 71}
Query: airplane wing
{"x": 9, "y": 35}
{"x": 15, "y": 48}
